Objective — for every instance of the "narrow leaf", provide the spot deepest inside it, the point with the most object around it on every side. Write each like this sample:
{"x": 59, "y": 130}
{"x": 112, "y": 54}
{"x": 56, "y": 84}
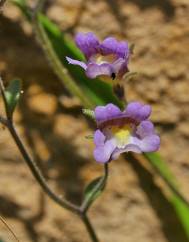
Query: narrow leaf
{"x": 162, "y": 168}
{"x": 182, "y": 212}
{"x": 92, "y": 191}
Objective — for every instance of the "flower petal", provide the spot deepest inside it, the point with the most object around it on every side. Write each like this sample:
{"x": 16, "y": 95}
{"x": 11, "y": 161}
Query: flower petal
{"x": 144, "y": 112}
{"x": 99, "y": 138}
{"x": 106, "y": 112}
{"x": 94, "y": 70}
{"x": 150, "y": 143}
{"x": 138, "y": 111}
{"x": 145, "y": 128}
{"x": 103, "y": 153}
{"x": 87, "y": 43}
{"x": 76, "y": 62}
{"x": 112, "y": 46}
{"x": 129, "y": 147}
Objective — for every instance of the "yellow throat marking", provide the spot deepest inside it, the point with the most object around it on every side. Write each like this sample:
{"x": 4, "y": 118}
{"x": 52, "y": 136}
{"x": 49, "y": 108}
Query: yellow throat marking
{"x": 122, "y": 135}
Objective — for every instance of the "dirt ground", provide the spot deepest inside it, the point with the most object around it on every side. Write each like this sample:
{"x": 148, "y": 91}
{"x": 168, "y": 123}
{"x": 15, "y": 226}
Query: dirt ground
{"x": 133, "y": 208}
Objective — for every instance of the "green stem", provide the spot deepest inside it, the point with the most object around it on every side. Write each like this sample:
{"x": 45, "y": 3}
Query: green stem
{"x": 57, "y": 66}
{"x": 89, "y": 228}
{"x": 33, "y": 16}
{"x": 37, "y": 173}
{"x": 32, "y": 165}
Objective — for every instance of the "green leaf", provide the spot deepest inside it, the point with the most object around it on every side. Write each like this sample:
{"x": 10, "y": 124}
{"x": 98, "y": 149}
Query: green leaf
{"x": 179, "y": 203}
{"x": 12, "y": 94}
{"x": 93, "y": 190}
{"x": 182, "y": 212}
{"x": 162, "y": 168}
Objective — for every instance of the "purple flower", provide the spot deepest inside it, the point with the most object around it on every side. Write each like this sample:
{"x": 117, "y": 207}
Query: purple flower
{"x": 109, "y": 58}
{"x": 125, "y": 131}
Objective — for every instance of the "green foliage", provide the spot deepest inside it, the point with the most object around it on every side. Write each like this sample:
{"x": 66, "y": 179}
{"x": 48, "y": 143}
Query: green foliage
{"x": 179, "y": 203}
{"x": 94, "y": 189}
{"x": 182, "y": 212}
{"x": 162, "y": 168}
{"x": 12, "y": 94}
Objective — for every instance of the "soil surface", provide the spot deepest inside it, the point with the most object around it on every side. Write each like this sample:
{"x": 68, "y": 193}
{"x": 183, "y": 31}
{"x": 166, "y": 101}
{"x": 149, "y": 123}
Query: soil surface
{"x": 51, "y": 124}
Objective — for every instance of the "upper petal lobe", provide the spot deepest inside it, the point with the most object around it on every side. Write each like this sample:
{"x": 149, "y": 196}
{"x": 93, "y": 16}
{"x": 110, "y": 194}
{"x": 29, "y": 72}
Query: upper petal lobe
{"x": 87, "y": 43}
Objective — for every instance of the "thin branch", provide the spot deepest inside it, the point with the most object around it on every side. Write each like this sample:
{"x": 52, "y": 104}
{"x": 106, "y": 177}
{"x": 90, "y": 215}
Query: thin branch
{"x": 89, "y": 228}
{"x": 38, "y": 175}
{"x": 2, "y": 90}
{"x": 40, "y": 178}
{"x": 32, "y": 165}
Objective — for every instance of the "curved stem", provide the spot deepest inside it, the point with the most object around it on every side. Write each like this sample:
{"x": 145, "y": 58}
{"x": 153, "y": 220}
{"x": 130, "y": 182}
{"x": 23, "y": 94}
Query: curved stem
{"x": 37, "y": 173}
{"x": 89, "y": 228}
{"x": 32, "y": 165}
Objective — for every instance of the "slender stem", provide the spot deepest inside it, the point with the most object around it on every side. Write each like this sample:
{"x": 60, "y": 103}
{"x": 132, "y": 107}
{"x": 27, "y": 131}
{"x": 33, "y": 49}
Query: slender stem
{"x": 55, "y": 62}
{"x": 41, "y": 180}
{"x": 101, "y": 185}
{"x": 2, "y": 88}
{"x": 32, "y": 165}
{"x": 89, "y": 228}
{"x": 38, "y": 175}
